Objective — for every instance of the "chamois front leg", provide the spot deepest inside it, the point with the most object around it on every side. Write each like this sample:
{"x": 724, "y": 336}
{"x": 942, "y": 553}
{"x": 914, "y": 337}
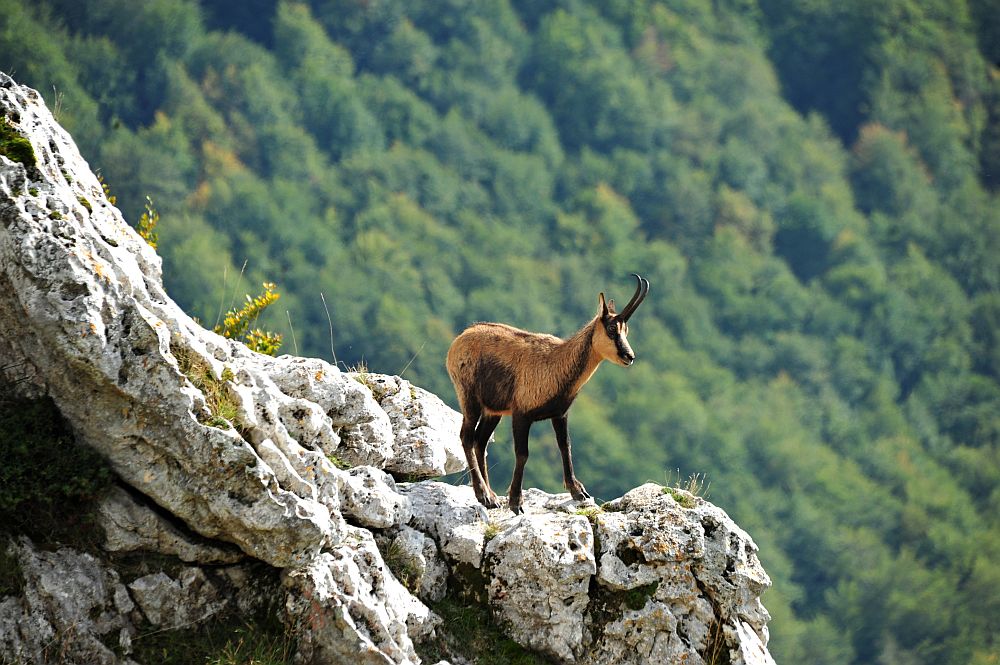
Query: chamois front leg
{"x": 561, "y": 426}
{"x": 483, "y": 494}
{"x": 521, "y": 426}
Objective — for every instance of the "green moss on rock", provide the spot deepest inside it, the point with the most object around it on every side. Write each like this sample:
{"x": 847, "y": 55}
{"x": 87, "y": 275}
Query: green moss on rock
{"x": 14, "y": 146}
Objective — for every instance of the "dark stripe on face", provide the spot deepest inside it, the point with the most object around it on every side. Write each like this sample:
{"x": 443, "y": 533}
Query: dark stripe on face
{"x": 621, "y": 346}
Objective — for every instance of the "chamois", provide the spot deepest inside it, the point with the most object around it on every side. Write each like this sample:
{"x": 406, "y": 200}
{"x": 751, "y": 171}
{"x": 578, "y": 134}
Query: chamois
{"x": 499, "y": 370}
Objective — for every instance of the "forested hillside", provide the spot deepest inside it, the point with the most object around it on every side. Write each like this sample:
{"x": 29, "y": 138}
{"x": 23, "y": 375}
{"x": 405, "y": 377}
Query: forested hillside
{"x": 810, "y": 188}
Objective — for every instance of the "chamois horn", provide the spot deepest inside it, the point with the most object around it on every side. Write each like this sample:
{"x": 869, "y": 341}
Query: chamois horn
{"x": 641, "y": 289}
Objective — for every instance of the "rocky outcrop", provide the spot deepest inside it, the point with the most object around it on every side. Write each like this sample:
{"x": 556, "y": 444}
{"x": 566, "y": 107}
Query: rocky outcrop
{"x": 231, "y": 457}
{"x": 641, "y": 579}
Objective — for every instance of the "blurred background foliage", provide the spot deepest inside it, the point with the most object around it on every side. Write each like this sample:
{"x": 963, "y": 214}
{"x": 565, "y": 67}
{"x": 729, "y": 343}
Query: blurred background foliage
{"x": 810, "y": 188}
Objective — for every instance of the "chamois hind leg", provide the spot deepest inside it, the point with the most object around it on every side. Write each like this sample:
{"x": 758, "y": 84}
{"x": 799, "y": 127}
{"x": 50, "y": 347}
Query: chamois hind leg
{"x": 575, "y": 487}
{"x": 521, "y": 426}
{"x": 470, "y": 417}
{"x": 483, "y": 431}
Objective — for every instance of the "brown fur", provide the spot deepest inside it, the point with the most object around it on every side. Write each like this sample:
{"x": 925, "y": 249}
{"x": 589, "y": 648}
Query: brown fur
{"x": 542, "y": 365}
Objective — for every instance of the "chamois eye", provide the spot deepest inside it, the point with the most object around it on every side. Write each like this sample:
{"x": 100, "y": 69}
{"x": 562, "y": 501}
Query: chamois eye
{"x": 612, "y": 329}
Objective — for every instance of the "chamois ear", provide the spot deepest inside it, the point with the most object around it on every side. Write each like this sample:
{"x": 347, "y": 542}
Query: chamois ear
{"x": 605, "y": 310}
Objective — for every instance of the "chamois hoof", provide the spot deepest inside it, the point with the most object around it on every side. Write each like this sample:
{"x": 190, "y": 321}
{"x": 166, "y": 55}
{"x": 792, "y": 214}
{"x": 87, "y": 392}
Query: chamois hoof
{"x": 489, "y": 501}
{"x": 514, "y": 504}
{"x": 579, "y": 493}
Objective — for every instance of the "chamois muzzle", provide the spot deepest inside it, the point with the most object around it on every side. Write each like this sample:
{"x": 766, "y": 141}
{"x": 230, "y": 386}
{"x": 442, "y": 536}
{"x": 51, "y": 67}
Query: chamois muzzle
{"x": 641, "y": 289}
{"x": 626, "y": 356}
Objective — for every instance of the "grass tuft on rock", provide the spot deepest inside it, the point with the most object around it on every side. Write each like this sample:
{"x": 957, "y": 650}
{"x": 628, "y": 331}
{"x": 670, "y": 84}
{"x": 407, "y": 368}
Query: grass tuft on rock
{"x": 222, "y": 405}
{"x": 220, "y": 640}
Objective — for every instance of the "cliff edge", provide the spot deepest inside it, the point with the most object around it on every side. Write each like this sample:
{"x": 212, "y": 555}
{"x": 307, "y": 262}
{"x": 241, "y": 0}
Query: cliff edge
{"x": 225, "y": 458}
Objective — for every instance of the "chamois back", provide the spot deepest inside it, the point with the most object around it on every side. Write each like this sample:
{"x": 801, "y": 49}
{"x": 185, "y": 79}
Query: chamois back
{"x": 505, "y": 369}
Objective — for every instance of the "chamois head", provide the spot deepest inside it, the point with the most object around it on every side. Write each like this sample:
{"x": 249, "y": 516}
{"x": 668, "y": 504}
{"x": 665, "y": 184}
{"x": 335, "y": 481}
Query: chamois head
{"x": 610, "y": 337}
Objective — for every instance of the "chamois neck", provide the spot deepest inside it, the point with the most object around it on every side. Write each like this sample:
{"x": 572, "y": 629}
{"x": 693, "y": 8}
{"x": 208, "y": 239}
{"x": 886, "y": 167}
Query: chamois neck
{"x": 579, "y": 342}
{"x": 581, "y": 357}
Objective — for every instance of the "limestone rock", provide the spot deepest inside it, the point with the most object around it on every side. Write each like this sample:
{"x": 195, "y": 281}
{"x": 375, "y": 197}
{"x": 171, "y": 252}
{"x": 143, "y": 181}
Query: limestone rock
{"x": 752, "y": 650}
{"x": 371, "y": 499}
{"x": 75, "y": 610}
{"x": 130, "y": 526}
{"x": 70, "y": 606}
{"x": 413, "y": 557}
{"x": 687, "y": 582}
{"x": 363, "y": 428}
{"x": 426, "y": 429}
{"x": 452, "y": 516}
{"x": 731, "y": 562}
{"x": 174, "y": 603}
{"x": 83, "y": 304}
{"x": 640, "y": 579}
{"x": 638, "y": 547}
{"x": 349, "y": 608}
{"x": 83, "y": 309}
{"x": 540, "y": 572}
